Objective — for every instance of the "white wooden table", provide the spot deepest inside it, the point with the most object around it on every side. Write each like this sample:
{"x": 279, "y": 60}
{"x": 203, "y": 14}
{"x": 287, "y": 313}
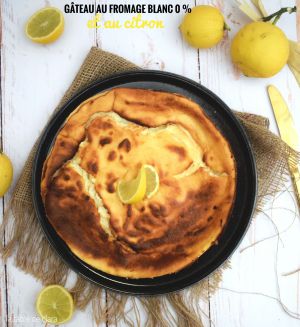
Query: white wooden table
{"x": 34, "y": 78}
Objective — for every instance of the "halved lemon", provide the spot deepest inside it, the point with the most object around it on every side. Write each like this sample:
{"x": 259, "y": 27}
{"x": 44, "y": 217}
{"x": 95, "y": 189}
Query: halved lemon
{"x": 152, "y": 180}
{"x": 55, "y": 304}
{"x": 45, "y": 26}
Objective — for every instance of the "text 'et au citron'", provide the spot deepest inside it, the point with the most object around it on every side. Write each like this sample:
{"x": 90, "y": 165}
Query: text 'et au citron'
{"x": 136, "y": 22}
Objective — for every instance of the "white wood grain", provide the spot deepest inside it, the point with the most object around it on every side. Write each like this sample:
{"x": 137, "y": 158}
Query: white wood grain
{"x": 253, "y": 270}
{"x": 3, "y": 273}
{"x": 34, "y": 78}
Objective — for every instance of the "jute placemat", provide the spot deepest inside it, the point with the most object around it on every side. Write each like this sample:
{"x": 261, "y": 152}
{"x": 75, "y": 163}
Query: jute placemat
{"x": 34, "y": 255}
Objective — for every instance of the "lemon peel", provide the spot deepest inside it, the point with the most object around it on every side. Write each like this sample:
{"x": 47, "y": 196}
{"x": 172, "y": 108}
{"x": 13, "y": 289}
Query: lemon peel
{"x": 6, "y": 173}
{"x": 203, "y": 27}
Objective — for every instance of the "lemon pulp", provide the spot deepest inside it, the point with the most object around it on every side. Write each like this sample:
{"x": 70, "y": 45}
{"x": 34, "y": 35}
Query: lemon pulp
{"x": 152, "y": 181}
{"x": 55, "y": 304}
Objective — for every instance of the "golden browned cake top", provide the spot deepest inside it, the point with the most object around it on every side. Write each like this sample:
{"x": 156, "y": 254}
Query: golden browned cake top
{"x": 111, "y": 136}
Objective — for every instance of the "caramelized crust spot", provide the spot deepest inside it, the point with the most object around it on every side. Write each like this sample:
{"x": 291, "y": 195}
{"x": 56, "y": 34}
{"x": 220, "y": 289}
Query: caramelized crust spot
{"x": 129, "y": 211}
{"x": 111, "y": 188}
{"x": 178, "y": 150}
{"x": 125, "y": 145}
{"x": 112, "y": 155}
{"x": 105, "y": 140}
{"x": 92, "y": 167}
{"x": 158, "y": 210}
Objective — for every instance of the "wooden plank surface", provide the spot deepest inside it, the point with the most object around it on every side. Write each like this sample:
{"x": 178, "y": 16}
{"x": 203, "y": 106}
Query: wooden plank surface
{"x": 3, "y": 274}
{"x": 33, "y": 79}
{"x": 254, "y": 270}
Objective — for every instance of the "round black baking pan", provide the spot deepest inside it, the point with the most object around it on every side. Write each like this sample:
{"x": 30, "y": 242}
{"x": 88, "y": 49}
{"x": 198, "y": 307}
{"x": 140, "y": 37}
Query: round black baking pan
{"x": 246, "y": 187}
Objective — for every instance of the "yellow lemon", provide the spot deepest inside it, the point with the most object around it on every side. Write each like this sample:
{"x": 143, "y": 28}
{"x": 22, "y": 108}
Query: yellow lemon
{"x": 260, "y": 49}
{"x": 203, "y": 27}
{"x": 133, "y": 191}
{"x": 6, "y": 173}
{"x": 45, "y": 26}
{"x": 55, "y": 304}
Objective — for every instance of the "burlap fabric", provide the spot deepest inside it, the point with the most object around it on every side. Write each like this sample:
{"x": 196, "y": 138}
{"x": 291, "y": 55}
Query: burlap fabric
{"x": 34, "y": 255}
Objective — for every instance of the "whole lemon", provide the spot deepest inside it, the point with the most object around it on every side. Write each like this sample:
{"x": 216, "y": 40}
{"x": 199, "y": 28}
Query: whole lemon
{"x": 203, "y": 27}
{"x": 260, "y": 49}
{"x": 6, "y": 173}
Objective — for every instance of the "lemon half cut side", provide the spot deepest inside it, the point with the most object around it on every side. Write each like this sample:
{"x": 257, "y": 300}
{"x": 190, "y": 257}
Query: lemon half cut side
{"x": 55, "y": 304}
{"x": 45, "y": 26}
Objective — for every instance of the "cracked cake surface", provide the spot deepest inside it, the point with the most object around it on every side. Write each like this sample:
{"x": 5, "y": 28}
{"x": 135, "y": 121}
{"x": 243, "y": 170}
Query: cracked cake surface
{"x": 113, "y": 134}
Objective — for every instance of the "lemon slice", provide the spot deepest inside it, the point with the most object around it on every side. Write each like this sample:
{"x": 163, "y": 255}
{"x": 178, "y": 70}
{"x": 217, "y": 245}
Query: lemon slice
{"x": 55, "y": 304}
{"x": 133, "y": 191}
{"x": 45, "y": 26}
{"x": 152, "y": 181}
